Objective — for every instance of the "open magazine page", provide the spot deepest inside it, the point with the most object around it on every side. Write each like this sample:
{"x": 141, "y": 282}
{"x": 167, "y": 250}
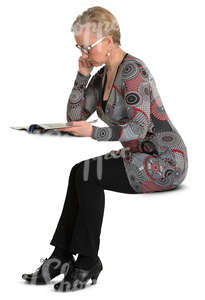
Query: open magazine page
{"x": 47, "y": 128}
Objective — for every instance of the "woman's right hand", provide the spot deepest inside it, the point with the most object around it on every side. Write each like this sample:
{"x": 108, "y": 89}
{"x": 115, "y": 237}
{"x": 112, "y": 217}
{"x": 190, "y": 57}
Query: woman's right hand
{"x": 85, "y": 67}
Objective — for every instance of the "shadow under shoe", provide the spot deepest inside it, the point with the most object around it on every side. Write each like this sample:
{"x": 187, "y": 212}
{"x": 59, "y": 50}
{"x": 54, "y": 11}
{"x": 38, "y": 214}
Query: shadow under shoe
{"x": 77, "y": 278}
{"x": 50, "y": 268}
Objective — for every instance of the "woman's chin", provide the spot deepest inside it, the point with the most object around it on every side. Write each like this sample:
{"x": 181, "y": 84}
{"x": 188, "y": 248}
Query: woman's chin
{"x": 97, "y": 64}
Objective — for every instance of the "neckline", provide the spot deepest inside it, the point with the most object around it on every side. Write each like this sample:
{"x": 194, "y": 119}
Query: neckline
{"x": 105, "y": 80}
{"x": 104, "y": 103}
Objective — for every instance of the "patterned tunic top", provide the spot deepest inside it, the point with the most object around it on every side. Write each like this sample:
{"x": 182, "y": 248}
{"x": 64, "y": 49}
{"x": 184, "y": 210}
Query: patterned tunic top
{"x": 154, "y": 154}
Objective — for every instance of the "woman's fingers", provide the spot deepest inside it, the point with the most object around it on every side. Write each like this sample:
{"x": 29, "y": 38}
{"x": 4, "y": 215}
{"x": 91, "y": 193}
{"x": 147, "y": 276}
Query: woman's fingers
{"x": 85, "y": 64}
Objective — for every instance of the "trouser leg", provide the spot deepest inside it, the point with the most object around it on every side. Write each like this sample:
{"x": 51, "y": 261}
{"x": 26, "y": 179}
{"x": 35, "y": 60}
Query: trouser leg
{"x": 89, "y": 180}
{"x": 64, "y": 229}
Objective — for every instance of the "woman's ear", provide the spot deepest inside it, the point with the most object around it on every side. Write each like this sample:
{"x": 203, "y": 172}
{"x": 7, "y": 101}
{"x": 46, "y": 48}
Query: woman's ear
{"x": 110, "y": 42}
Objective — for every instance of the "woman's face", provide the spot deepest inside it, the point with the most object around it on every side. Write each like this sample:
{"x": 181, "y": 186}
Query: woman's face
{"x": 97, "y": 54}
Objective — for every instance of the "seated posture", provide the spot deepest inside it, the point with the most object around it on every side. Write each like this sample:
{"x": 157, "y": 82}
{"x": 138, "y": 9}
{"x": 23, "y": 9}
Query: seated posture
{"x": 153, "y": 157}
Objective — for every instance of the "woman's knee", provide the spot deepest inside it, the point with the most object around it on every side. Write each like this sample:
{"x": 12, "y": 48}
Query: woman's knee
{"x": 74, "y": 169}
{"x": 86, "y": 171}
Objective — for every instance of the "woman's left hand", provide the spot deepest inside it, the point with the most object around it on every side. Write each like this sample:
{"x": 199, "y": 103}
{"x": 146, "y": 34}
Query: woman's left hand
{"x": 79, "y": 128}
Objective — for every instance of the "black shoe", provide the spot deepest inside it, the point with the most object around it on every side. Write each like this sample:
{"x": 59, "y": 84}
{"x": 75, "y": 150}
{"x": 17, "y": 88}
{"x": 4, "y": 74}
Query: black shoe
{"x": 50, "y": 268}
{"x": 77, "y": 278}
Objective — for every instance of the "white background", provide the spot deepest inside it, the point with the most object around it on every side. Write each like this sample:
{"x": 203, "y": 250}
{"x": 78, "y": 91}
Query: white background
{"x": 152, "y": 245}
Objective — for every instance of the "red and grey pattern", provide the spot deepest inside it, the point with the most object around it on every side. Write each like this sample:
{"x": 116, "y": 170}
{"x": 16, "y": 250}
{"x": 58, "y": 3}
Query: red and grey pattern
{"x": 156, "y": 156}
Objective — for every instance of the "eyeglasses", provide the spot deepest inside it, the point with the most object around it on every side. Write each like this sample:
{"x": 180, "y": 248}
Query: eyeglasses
{"x": 88, "y": 48}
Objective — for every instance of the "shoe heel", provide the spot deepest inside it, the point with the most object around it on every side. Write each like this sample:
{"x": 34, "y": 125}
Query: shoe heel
{"x": 94, "y": 277}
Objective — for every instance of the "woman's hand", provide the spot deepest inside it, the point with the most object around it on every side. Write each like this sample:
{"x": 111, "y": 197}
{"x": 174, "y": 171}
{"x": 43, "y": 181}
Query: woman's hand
{"x": 80, "y": 128}
{"x": 85, "y": 67}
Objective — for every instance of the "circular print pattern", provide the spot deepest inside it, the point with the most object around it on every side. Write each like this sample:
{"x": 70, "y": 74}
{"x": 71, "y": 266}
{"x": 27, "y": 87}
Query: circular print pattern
{"x": 153, "y": 86}
{"x": 75, "y": 97}
{"x": 137, "y": 126}
{"x": 153, "y": 168}
{"x": 133, "y": 98}
{"x": 168, "y": 139}
{"x": 157, "y": 109}
{"x": 144, "y": 72}
{"x": 167, "y": 180}
{"x": 130, "y": 70}
{"x": 148, "y": 147}
{"x": 144, "y": 88}
{"x": 103, "y": 134}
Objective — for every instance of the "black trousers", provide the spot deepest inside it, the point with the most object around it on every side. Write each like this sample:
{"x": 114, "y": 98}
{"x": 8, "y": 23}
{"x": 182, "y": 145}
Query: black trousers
{"x": 79, "y": 226}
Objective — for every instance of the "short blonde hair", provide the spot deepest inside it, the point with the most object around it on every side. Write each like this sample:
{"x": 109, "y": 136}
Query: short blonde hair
{"x": 103, "y": 23}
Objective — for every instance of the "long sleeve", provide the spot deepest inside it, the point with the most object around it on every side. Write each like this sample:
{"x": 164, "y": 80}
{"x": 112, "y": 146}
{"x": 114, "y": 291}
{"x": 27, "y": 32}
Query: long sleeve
{"x": 82, "y": 101}
{"x": 135, "y": 91}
